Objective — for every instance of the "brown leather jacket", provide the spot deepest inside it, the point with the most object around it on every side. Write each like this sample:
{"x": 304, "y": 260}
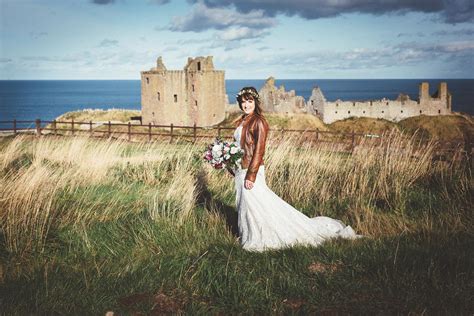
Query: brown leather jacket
{"x": 254, "y": 135}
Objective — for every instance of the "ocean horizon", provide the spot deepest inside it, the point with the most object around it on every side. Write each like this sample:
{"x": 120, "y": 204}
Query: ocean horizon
{"x": 47, "y": 99}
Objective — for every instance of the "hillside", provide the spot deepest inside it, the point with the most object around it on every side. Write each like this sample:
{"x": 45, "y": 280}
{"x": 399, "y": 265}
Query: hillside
{"x": 290, "y": 121}
{"x": 447, "y": 128}
{"x": 444, "y": 128}
{"x": 98, "y": 115}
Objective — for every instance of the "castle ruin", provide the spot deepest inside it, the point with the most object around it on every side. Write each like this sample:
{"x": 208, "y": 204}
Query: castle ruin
{"x": 195, "y": 95}
{"x": 391, "y": 110}
{"x": 279, "y": 100}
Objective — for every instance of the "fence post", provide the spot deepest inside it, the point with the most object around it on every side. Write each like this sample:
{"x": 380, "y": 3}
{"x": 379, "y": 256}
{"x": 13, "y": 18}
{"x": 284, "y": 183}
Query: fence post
{"x": 194, "y": 131}
{"x": 14, "y": 126}
{"x": 90, "y": 129}
{"x": 72, "y": 126}
{"x": 171, "y": 133}
{"x": 129, "y": 131}
{"x": 352, "y": 141}
{"x": 55, "y": 130}
{"x": 317, "y": 135}
{"x": 109, "y": 130}
{"x": 219, "y": 131}
{"x": 38, "y": 127}
{"x": 149, "y": 132}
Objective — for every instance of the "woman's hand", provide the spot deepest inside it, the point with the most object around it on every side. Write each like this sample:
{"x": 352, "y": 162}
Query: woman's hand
{"x": 231, "y": 171}
{"x": 248, "y": 184}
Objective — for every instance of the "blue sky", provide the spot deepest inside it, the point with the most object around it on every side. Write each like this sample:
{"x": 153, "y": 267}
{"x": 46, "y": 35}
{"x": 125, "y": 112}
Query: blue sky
{"x": 249, "y": 39}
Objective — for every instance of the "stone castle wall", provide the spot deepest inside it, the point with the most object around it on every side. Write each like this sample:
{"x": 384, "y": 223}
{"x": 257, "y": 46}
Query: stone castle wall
{"x": 279, "y": 100}
{"x": 392, "y": 110}
{"x": 195, "y": 95}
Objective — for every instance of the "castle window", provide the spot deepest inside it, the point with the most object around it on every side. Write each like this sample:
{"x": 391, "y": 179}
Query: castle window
{"x": 386, "y": 103}
{"x": 193, "y": 87}
{"x": 153, "y": 113}
{"x": 199, "y": 66}
{"x": 147, "y": 80}
{"x": 175, "y": 98}
{"x": 382, "y": 111}
{"x": 312, "y": 102}
{"x": 370, "y": 102}
{"x": 420, "y": 112}
{"x": 214, "y": 115}
{"x": 363, "y": 112}
{"x": 336, "y": 112}
{"x": 337, "y": 104}
{"x": 401, "y": 111}
{"x": 196, "y": 103}
{"x": 317, "y": 112}
{"x": 353, "y": 104}
{"x": 158, "y": 96}
{"x": 439, "y": 111}
{"x": 348, "y": 112}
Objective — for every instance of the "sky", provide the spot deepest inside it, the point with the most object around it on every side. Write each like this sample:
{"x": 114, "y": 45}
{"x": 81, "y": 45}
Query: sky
{"x": 249, "y": 39}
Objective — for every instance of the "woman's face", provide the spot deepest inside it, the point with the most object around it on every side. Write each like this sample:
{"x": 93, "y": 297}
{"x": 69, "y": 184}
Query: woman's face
{"x": 248, "y": 105}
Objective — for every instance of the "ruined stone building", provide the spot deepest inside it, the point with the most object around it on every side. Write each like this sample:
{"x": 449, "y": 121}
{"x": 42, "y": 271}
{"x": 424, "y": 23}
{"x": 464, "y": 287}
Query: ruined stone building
{"x": 183, "y": 97}
{"x": 279, "y": 100}
{"x": 392, "y": 110}
{"x": 275, "y": 100}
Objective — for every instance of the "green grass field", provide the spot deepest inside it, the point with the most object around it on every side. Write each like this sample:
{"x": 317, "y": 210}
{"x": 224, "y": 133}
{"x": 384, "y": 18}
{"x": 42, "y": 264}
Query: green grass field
{"x": 91, "y": 226}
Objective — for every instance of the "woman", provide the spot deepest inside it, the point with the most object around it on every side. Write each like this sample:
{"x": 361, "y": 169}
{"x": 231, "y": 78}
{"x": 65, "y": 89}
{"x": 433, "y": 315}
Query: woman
{"x": 265, "y": 220}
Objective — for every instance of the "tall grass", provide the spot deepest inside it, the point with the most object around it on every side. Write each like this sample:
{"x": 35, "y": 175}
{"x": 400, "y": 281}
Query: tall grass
{"x": 113, "y": 209}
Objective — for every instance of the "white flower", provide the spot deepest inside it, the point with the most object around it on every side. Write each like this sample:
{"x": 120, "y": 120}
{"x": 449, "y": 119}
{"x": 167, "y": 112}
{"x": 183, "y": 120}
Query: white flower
{"x": 226, "y": 156}
{"x": 216, "y": 147}
{"x": 234, "y": 150}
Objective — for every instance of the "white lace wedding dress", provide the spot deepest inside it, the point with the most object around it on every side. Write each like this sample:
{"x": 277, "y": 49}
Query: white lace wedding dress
{"x": 267, "y": 222}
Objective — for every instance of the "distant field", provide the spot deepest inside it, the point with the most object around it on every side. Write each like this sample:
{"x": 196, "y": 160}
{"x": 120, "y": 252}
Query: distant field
{"x": 89, "y": 226}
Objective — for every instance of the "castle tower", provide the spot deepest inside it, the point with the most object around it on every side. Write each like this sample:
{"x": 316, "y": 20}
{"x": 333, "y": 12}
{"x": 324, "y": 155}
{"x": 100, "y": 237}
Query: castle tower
{"x": 159, "y": 64}
{"x": 424, "y": 92}
{"x": 195, "y": 95}
{"x": 444, "y": 95}
{"x": 206, "y": 91}
{"x": 316, "y": 102}
{"x": 443, "y": 90}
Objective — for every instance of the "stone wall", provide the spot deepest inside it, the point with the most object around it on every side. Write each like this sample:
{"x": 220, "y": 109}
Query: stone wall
{"x": 183, "y": 97}
{"x": 279, "y": 100}
{"x": 392, "y": 110}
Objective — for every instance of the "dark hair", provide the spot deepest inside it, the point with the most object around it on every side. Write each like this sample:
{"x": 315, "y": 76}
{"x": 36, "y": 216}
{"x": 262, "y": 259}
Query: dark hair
{"x": 251, "y": 93}
{"x": 248, "y": 93}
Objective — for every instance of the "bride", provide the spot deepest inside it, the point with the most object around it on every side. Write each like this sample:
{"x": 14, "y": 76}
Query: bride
{"x": 265, "y": 220}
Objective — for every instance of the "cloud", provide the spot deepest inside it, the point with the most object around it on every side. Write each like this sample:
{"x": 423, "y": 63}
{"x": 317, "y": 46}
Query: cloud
{"x": 108, "y": 43}
{"x": 5, "y": 60}
{"x": 462, "y": 32}
{"x": 202, "y": 18}
{"x": 239, "y": 33}
{"x": 418, "y": 34}
{"x": 103, "y": 1}
{"x": 457, "y": 56}
{"x": 159, "y": 2}
{"x": 451, "y": 11}
{"x": 36, "y": 34}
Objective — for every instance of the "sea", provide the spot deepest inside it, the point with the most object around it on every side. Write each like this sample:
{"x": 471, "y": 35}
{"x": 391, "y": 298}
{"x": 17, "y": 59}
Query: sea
{"x": 27, "y": 100}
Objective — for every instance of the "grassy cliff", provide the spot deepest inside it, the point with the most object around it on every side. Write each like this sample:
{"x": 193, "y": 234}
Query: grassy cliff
{"x": 89, "y": 226}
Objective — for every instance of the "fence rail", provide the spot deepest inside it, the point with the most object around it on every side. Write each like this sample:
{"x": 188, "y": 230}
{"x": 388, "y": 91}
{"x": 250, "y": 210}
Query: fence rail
{"x": 150, "y": 132}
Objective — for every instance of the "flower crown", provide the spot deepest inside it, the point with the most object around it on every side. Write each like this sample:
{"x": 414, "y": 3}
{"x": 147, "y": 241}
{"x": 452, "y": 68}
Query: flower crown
{"x": 247, "y": 91}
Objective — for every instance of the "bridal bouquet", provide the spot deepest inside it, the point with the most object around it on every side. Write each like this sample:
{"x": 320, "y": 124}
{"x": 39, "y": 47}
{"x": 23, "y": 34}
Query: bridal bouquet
{"x": 221, "y": 154}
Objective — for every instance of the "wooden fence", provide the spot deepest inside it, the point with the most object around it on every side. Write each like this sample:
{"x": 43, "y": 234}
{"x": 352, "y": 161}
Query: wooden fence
{"x": 150, "y": 132}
